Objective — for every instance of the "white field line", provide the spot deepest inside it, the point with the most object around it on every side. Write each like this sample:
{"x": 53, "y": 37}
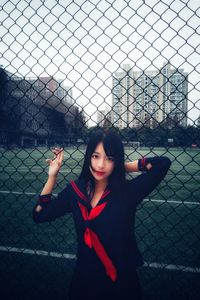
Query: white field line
{"x": 73, "y": 257}
{"x": 146, "y": 200}
{"x": 172, "y": 267}
{"x": 173, "y": 201}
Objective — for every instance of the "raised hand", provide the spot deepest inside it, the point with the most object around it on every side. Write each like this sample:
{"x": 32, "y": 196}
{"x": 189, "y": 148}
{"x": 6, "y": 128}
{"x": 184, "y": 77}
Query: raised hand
{"x": 55, "y": 163}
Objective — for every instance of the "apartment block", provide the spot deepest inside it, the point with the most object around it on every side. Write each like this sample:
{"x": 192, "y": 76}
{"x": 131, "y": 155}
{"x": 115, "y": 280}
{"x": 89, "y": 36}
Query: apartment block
{"x": 149, "y": 97}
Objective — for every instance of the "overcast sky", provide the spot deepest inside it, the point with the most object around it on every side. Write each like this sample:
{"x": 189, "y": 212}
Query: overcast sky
{"x": 85, "y": 42}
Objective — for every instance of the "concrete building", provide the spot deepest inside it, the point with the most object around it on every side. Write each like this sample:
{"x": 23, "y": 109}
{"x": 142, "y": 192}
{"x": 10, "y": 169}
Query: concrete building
{"x": 48, "y": 86}
{"x": 149, "y": 97}
{"x": 64, "y": 93}
{"x": 36, "y": 113}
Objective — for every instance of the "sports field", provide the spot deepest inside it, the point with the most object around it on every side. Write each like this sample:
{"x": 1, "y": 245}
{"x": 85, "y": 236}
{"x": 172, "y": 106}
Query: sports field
{"x": 37, "y": 260}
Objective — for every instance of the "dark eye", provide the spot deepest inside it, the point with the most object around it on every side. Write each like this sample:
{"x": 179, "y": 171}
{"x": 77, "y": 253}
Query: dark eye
{"x": 94, "y": 156}
{"x": 110, "y": 158}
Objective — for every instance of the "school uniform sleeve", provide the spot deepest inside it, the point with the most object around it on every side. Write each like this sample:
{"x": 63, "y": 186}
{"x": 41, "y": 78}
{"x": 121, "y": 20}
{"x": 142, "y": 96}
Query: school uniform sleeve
{"x": 53, "y": 208}
{"x": 144, "y": 184}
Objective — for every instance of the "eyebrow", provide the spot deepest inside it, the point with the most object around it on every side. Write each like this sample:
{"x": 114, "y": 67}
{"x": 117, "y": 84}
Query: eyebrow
{"x": 100, "y": 154}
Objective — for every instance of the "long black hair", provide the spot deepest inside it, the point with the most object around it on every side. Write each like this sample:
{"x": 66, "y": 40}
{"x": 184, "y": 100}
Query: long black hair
{"x": 113, "y": 147}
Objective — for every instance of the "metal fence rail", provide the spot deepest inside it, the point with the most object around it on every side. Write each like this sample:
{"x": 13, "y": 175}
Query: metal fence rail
{"x": 68, "y": 67}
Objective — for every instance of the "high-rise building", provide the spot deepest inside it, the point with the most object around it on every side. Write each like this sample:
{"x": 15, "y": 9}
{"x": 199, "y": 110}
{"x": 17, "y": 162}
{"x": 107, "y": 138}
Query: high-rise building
{"x": 123, "y": 98}
{"x": 149, "y": 97}
{"x": 175, "y": 90}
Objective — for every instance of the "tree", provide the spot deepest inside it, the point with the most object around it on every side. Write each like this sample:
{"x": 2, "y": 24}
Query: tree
{"x": 79, "y": 123}
{"x": 129, "y": 134}
{"x": 107, "y": 123}
{"x": 197, "y": 122}
{"x": 3, "y": 97}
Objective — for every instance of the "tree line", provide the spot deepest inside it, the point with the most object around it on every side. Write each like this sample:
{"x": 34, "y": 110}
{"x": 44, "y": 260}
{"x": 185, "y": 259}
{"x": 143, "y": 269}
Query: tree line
{"x": 162, "y": 135}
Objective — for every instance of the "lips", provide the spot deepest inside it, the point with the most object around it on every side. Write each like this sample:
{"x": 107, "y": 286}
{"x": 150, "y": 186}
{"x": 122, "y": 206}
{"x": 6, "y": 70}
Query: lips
{"x": 99, "y": 173}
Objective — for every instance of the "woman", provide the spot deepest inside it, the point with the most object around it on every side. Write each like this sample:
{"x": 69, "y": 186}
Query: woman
{"x": 103, "y": 204}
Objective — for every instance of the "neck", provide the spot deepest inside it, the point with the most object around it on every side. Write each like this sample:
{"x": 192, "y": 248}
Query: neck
{"x": 101, "y": 185}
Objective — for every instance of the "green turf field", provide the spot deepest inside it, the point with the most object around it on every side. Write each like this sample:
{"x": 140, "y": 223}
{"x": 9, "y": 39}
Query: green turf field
{"x": 167, "y": 226}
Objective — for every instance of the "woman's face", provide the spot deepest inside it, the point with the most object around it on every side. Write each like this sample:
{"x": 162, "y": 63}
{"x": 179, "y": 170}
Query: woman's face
{"x": 102, "y": 165}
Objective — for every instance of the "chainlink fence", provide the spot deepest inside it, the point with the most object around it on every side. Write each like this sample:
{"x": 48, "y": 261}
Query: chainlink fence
{"x": 68, "y": 67}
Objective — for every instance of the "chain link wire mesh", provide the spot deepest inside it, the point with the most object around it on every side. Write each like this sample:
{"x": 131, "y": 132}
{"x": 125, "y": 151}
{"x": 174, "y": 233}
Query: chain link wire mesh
{"x": 68, "y": 67}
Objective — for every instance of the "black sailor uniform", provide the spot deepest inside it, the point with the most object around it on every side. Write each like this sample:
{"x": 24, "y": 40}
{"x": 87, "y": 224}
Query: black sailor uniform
{"x": 107, "y": 254}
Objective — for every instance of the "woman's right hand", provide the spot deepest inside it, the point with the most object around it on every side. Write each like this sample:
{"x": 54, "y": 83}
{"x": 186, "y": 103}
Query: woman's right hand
{"x": 55, "y": 163}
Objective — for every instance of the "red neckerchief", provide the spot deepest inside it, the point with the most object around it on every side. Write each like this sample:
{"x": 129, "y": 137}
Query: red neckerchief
{"x": 90, "y": 237}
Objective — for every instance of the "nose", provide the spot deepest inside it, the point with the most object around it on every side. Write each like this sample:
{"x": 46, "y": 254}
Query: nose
{"x": 101, "y": 163}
